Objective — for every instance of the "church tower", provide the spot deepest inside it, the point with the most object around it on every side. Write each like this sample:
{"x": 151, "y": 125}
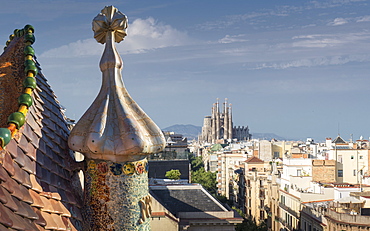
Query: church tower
{"x": 219, "y": 125}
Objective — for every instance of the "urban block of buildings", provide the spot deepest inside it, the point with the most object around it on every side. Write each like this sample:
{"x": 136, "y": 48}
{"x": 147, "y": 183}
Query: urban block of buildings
{"x": 295, "y": 185}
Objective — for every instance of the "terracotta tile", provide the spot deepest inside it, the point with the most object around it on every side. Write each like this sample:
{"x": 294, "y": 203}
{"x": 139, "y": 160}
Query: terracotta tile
{"x": 58, "y": 220}
{"x": 37, "y": 202}
{"x": 41, "y": 220}
{"x": 56, "y": 196}
{"x": 28, "y": 131}
{"x": 10, "y": 185}
{"x": 4, "y": 217}
{"x": 29, "y": 165}
{"x": 34, "y": 126}
{"x": 20, "y": 158}
{"x": 18, "y": 173}
{"x": 57, "y": 208}
{"x": 65, "y": 213}
{"x": 12, "y": 148}
{"x": 10, "y": 201}
{"x": 66, "y": 223}
{"x": 3, "y": 174}
{"x": 23, "y": 142}
{"x": 50, "y": 223}
{"x": 18, "y": 222}
{"x": 26, "y": 194}
{"x": 8, "y": 162}
{"x": 21, "y": 208}
{"x": 18, "y": 192}
{"x": 27, "y": 180}
{"x": 29, "y": 213}
{"x": 34, "y": 112}
{"x": 35, "y": 183}
{"x": 3, "y": 228}
{"x": 31, "y": 151}
{"x": 38, "y": 98}
{"x": 40, "y": 228}
{"x": 30, "y": 226}
{"x": 47, "y": 205}
{"x": 3, "y": 198}
{"x": 31, "y": 135}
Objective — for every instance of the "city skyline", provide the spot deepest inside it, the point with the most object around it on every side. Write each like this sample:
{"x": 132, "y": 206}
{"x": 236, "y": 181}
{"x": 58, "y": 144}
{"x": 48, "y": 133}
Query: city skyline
{"x": 296, "y": 69}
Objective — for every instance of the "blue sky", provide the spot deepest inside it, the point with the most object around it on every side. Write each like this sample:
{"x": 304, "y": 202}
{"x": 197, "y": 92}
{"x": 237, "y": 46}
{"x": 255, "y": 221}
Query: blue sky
{"x": 295, "y": 68}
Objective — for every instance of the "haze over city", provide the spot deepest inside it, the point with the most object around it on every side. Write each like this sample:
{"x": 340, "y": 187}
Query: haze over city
{"x": 297, "y": 69}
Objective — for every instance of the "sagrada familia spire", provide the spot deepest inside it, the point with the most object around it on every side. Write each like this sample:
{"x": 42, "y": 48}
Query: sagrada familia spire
{"x": 116, "y": 136}
{"x": 219, "y": 126}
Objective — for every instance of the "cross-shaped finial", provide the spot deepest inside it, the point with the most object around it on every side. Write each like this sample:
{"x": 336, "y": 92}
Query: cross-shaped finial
{"x": 110, "y": 20}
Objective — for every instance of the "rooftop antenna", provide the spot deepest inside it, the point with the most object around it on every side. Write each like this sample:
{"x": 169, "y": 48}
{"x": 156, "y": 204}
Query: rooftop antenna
{"x": 338, "y": 129}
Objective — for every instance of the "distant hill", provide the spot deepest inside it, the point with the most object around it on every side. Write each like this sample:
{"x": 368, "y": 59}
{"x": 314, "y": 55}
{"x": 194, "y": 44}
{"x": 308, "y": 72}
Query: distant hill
{"x": 192, "y": 132}
{"x": 187, "y": 130}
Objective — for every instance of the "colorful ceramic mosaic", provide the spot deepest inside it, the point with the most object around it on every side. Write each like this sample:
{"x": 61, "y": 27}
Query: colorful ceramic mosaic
{"x": 116, "y": 196}
{"x": 17, "y": 119}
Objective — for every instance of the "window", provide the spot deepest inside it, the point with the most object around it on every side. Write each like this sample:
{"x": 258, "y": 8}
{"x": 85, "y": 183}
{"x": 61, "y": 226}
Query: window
{"x": 299, "y": 172}
{"x": 354, "y": 172}
{"x": 352, "y": 157}
{"x": 340, "y": 173}
{"x": 361, "y": 157}
{"x": 276, "y": 154}
{"x": 340, "y": 159}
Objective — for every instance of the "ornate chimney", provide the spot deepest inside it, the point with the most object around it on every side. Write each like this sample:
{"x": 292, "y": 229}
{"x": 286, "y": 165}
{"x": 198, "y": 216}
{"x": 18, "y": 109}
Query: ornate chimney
{"x": 116, "y": 136}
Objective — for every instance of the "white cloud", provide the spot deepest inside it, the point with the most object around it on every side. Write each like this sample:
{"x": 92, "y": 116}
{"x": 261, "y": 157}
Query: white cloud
{"x": 364, "y": 19}
{"x": 322, "y": 61}
{"x": 329, "y": 40}
{"x": 143, "y": 35}
{"x": 338, "y": 22}
{"x": 232, "y": 39}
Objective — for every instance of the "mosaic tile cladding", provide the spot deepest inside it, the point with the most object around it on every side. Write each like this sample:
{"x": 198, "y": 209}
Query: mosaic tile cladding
{"x": 115, "y": 136}
{"x": 38, "y": 189}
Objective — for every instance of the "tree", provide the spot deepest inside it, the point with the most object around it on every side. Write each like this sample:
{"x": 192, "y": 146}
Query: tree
{"x": 206, "y": 179}
{"x": 196, "y": 162}
{"x": 173, "y": 174}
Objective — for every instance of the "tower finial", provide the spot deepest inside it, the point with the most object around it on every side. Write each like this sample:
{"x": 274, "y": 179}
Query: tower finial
{"x": 110, "y": 19}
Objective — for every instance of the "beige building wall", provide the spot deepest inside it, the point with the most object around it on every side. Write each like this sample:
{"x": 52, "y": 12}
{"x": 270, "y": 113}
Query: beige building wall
{"x": 227, "y": 163}
{"x": 161, "y": 219}
{"x": 351, "y": 163}
{"x": 290, "y": 207}
{"x": 323, "y": 171}
{"x": 279, "y": 148}
{"x": 265, "y": 150}
{"x": 273, "y": 202}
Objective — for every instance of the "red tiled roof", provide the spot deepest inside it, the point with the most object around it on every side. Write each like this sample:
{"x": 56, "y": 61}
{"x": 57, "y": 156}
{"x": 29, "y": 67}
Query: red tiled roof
{"x": 254, "y": 159}
{"x": 38, "y": 189}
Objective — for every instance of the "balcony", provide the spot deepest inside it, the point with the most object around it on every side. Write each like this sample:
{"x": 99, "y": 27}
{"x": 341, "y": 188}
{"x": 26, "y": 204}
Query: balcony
{"x": 289, "y": 210}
